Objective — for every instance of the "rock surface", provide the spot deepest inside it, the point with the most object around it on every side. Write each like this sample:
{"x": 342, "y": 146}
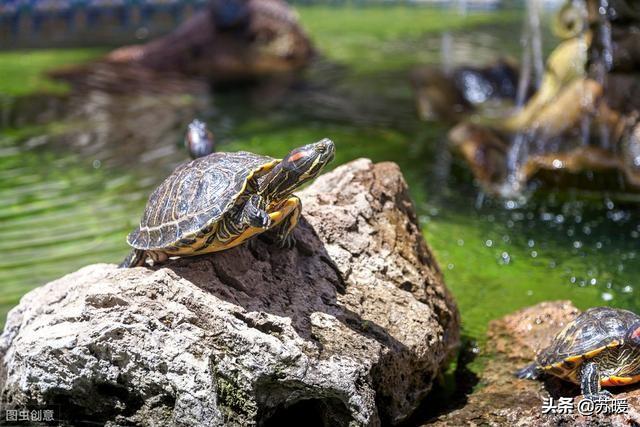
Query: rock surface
{"x": 504, "y": 400}
{"x": 348, "y": 328}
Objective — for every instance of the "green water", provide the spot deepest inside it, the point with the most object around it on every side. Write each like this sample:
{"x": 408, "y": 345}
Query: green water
{"x": 69, "y": 200}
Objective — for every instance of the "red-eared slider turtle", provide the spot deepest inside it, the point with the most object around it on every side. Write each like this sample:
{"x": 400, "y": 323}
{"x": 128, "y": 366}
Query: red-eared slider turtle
{"x": 199, "y": 140}
{"x": 600, "y": 347}
{"x": 219, "y": 201}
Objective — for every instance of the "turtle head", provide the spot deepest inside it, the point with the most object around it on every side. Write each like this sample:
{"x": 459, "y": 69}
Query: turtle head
{"x": 198, "y": 140}
{"x": 299, "y": 166}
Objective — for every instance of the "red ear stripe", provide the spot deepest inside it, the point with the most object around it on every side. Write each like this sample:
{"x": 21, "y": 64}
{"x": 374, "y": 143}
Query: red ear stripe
{"x": 296, "y": 156}
{"x": 636, "y": 333}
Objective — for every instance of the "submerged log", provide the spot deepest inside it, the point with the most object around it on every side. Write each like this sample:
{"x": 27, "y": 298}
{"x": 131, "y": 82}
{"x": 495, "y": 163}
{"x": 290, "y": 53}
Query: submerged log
{"x": 227, "y": 40}
{"x": 350, "y": 327}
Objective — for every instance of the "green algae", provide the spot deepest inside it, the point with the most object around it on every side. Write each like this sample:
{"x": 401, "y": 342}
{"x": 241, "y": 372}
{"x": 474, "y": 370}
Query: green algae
{"x": 24, "y": 72}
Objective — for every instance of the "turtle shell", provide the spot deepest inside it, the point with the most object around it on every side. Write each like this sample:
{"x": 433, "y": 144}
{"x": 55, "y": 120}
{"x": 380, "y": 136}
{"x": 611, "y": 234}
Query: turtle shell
{"x": 588, "y": 335}
{"x": 195, "y": 196}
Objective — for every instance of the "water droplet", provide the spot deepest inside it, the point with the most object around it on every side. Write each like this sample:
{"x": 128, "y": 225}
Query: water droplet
{"x": 607, "y": 296}
{"x": 627, "y": 289}
{"x": 557, "y": 163}
{"x": 573, "y": 279}
{"x": 593, "y": 281}
{"x": 96, "y": 164}
{"x": 529, "y": 292}
{"x": 489, "y": 243}
{"x": 531, "y": 243}
{"x": 450, "y": 266}
{"x": 598, "y": 245}
{"x": 506, "y": 258}
{"x": 577, "y": 244}
{"x": 534, "y": 254}
{"x": 460, "y": 242}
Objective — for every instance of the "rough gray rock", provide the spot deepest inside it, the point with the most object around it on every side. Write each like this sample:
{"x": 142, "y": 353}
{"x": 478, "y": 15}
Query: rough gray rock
{"x": 348, "y": 328}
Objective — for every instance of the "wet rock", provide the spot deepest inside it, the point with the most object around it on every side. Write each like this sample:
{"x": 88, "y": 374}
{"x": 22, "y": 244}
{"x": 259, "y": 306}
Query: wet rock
{"x": 504, "y": 400}
{"x": 228, "y": 40}
{"x": 443, "y": 95}
{"x": 348, "y": 328}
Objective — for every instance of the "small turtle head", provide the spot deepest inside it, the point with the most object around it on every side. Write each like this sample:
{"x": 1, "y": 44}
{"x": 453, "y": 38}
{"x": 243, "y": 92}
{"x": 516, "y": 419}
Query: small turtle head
{"x": 198, "y": 140}
{"x": 299, "y": 166}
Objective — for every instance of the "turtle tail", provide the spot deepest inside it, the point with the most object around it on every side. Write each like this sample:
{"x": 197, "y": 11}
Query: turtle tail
{"x": 530, "y": 372}
{"x": 136, "y": 258}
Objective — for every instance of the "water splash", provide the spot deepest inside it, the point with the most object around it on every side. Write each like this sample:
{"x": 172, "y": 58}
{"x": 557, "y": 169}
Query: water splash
{"x": 603, "y": 62}
{"x": 446, "y": 52}
{"x": 534, "y": 8}
{"x": 463, "y": 6}
{"x": 532, "y": 70}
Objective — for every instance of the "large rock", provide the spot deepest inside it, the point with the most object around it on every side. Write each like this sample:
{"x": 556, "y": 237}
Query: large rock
{"x": 504, "y": 400}
{"x": 349, "y": 328}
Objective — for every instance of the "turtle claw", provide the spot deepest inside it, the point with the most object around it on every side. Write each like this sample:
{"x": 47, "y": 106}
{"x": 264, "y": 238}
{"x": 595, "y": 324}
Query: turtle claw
{"x": 530, "y": 372}
{"x": 287, "y": 242}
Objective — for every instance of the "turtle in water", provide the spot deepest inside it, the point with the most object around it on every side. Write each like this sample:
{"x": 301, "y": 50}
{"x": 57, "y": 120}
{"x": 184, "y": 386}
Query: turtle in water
{"x": 218, "y": 201}
{"x": 600, "y": 347}
{"x": 199, "y": 140}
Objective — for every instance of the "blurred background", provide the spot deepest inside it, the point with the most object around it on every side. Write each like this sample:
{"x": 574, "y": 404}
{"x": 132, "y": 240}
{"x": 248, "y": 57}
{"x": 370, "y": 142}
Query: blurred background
{"x": 88, "y": 128}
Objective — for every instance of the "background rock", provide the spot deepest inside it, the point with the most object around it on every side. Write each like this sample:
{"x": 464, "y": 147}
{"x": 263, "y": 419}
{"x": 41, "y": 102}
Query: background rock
{"x": 348, "y": 328}
{"x": 504, "y": 400}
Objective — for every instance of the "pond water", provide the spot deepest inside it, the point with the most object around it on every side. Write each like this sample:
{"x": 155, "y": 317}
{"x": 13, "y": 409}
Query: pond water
{"x": 72, "y": 188}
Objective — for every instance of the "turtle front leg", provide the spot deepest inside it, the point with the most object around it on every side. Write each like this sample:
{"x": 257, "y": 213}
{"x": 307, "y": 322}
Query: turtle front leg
{"x": 590, "y": 382}
{"x": 286, "y": 217}
{"x": 253, "y": 213}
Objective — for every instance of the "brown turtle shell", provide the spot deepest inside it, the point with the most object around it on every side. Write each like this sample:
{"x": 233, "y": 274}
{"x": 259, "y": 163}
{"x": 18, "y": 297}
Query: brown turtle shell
{"x": 195, "y": 196}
